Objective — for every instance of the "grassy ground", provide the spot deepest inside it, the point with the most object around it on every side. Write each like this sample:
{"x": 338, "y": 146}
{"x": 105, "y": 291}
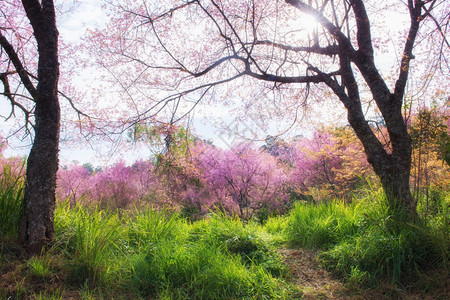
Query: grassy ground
{"x": 317, "y": 251}
{"x": 148, "y": 255}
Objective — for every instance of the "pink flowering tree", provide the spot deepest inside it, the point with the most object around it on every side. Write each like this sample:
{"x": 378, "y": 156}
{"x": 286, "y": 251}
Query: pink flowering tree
{"x": 242, "y": 180}
{"x": 330, "y": 164}
{"x": 116, "y": 186}
{"x": 72, "y": 183}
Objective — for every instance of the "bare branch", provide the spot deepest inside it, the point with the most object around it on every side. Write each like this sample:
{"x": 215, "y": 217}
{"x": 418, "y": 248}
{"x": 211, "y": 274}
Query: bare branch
{"x": 415, "y": 13}
{"x": 166, "y": 14}
{"x": 11, "y": 97}
{"x": 329, "y": 50}
{"x": 170, "y": 98}
{"x": 70, "y": 100}
{"x": 335, "y": 31}
{"x": 438, "y": 26}
{"x": 23, "y": 74}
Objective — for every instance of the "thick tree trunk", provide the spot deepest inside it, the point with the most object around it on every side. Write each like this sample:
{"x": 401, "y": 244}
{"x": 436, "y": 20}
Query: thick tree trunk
{"x": 393, "y": 169}
{"x": 36, "y": 230}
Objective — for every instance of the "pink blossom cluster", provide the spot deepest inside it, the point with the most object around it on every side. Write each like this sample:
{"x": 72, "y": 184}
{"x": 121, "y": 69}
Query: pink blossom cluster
{"x": 243, "y": 180}
{"x": 118, "y": 186}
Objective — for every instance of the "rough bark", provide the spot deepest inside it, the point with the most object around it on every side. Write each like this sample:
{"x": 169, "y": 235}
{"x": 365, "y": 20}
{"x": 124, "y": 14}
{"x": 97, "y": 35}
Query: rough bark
{"x": 393, "y": 168}
{"x": 36, "y": 229}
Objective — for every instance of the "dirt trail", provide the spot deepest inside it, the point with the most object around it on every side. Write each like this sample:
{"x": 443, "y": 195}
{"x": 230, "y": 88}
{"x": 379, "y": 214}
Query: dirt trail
{"x": 316, "y": 282}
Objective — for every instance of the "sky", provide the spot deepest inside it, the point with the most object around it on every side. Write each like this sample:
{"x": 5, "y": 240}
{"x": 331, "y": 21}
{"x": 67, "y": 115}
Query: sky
{"x": 88, "y": 14}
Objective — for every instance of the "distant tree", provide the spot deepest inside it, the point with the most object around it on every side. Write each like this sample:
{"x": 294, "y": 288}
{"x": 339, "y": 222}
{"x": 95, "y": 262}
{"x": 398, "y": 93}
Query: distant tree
{"x": 89, "y": 167}
{"x": 117, "y": 186}
{"x": 243, "y": 180}
{"x": 275, "y": 145}
{"x": 332, "y": 163}
{"x": 72, "y": 183}
{"x": 430, "y": 137}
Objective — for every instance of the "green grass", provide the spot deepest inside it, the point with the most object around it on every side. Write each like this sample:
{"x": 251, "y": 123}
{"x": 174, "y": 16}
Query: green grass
{"x": 11, "y": 194}
{"x": 40, "y": 266}
{"x": 218, "y": 258}
{"x": 365, "y": 243}
{"x": 201, "y": 271}
{"x": 92, "y": 239}
{"x": 157, "y": 254}
{"x": 322, "y": 225}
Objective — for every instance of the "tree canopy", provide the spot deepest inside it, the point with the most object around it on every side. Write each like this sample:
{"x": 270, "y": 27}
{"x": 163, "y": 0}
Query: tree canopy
{"x": 263, "y": 55}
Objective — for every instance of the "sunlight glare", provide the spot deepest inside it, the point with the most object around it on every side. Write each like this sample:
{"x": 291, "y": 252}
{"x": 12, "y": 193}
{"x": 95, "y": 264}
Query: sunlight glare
{"x": 303, "y": 23}
{"x": 308, "y": 23}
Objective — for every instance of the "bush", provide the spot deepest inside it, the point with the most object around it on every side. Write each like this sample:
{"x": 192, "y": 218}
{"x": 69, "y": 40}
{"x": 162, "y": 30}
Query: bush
{"x": 366, "y": 243}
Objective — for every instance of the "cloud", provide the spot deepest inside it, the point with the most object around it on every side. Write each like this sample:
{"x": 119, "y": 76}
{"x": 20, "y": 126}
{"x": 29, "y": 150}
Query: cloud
{"x": 73, "y": 23}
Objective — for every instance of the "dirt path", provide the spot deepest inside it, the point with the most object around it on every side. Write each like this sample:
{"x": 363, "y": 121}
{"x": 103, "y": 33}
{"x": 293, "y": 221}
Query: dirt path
{"x": 315, "y": 281}
{"x": 318, "y": 283}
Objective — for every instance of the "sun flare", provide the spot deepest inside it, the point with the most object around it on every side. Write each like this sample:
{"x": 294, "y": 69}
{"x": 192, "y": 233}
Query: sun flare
{"x": 303, "y": 23}
{"x": 308, "y": 23}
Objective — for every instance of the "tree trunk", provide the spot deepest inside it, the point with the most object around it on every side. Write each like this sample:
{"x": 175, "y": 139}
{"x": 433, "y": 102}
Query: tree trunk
{"x": 36, "y": 230}
{"x": 394, "y": 178}
{"x": 393, "y": 169}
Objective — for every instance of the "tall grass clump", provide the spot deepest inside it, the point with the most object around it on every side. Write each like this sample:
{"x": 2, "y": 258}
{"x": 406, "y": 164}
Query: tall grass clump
{"x": 322, "y": 225}
{"x": 147, "y": 226}
{"x": 200, "y": 271}
{"x": 249, "y": 241}
{"x": 367, "y": 241}
{"x": 91, "y": 238}
{"x": 214, "y": 258}
{"x": 11, "y": 195}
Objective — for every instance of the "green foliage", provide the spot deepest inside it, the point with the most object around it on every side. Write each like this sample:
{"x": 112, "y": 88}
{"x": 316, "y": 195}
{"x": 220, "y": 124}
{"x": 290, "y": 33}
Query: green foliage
{"x": 157, "y": 254}
{"x": 217, "y": 259}
{"x": 200, "y": 271}
{"x": 11, "y": 195}
{"x": 150, "y": 226}
{"x": 91, "y": 238}
{"x": 39, "y": 266}
{"x": 429, "y": 130}
{"x": 176, "y": 139}
{"x": 366, "y": 242}
{"x": 322, "y": 225}
{"x": 249, "y": 242}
